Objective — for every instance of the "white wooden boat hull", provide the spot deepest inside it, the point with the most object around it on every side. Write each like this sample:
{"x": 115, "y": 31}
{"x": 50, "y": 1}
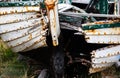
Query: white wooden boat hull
{"x": 17, "y": 17}
{"x": 104, "y": 58}
{"x": 22, "y": 28}
{"x": 11, "y": 10}
{"x": 103, "y": 39}
{"x": 103, "y": 36}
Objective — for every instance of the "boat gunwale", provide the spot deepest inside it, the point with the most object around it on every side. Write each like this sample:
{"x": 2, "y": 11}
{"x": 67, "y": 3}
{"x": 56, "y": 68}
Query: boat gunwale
{"x": 20, "y": 3}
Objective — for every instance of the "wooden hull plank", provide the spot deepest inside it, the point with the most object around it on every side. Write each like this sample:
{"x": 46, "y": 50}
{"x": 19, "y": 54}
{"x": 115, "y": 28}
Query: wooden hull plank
{"x": 13, "y": 18}
{"x": 102, "y": 65}
{"x": 37, "y": 45}
{"x": 25, "y": 39}
{"x": 19, "y": 33}
{"x": 20, "y": 25}
{"x": 103, "y": 39}
{"x": 106, "y": 52}
{"x": 105, "y": 31}
{"x": 22, "y": 9}
{"x": 28, "y": 44}
{"x": 107, "y": 59}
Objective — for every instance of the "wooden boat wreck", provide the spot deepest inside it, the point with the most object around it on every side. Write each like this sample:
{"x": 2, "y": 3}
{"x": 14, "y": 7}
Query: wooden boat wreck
{"x": 24, "y": 26}
{"x": 101, "y": 28}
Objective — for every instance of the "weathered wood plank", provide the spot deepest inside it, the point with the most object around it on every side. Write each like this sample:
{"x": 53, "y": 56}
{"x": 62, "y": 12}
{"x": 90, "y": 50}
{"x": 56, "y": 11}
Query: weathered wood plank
{"x": 103, "y": 39}
{"x": 19, "y": 25}
{"x": 13, "y": 18}
{"x": 104, "y": 31}
{"x": 12, "y": 10}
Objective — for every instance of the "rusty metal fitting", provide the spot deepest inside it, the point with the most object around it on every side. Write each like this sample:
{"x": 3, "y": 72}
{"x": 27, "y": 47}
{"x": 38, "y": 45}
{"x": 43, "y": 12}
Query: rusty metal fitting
{"x": 50, "y": 4}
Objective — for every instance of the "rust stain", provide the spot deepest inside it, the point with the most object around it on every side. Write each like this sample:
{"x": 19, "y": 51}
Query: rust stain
{"x": 42, "y": 22}
{"x": 94, "y": 70}
{"x": 38, "y": 15}
{"x": 99, "y": 22}
{"x": 15, "y": 11}
{"x": 103, "y": 62}
{"x": 118, "y": 52}
{"x": 27, "y": 8}
{"x": 103, "y": 22}
{"x": 105, "y": 33}
{"x": 98, "y": 41}
{"x": 94, "y": 31}
{"x": 5, "y": 13}
{"x": 54, "y": 42}
{"x": 50, "y": 4}
{"x": 108, "y": 55}
{"x": 42, "y": 38}
{"x": 26, "y": 47}
{"x": 44, "y": 28}
{"x": 12, "y": 12}
{"x": 87, "y": 38}
{"x": 30, "y": 37}
{"x": 110, "y": 42}
{"x": 43, "y": 45}
{"x": 98, "y": 33}
{"x": 23, "y": 9}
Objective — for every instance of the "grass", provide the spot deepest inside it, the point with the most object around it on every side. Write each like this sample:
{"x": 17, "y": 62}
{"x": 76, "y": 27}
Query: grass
{"x": 112, "y": 72}
{"x": 10, "y": 67}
